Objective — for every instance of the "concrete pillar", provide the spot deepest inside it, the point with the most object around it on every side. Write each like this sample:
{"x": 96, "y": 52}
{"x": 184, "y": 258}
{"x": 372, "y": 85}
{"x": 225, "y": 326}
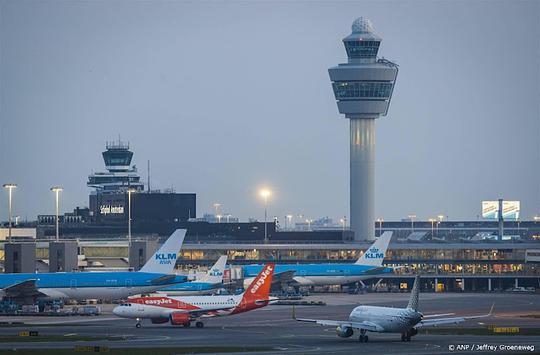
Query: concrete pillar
{"x": 516, "y": 282}
{"x": 463, "y": 284}
{"x": 436, "y": 284}
{"x": 19, "y": 258}
{"x": 362, "y": 175}
{"x": 63, "y": 256}
{"x": 489, "y": 284}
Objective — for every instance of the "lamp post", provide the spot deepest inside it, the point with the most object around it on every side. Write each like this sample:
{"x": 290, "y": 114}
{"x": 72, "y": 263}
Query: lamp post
{"x": 432, "y": 220}
{"x": 10, "y": 187}
{"x": 289, "y": 221}
{"x": 380, "y": 220}
{"x": 57, "y": 190}
{"x": 216, "y": 207}
{"x": 129, "y": 191}
{"x": 412, "y": 217}
{"x": 265, "y": 194}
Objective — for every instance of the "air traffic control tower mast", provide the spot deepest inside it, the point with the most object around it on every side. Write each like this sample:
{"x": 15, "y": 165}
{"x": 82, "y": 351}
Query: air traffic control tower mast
{"x": 363, "y": 88}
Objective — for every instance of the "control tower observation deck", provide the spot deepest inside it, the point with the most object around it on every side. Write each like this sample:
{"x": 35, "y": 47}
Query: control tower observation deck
{"x": 363, "y": 89}
{"x": 120, "y": 176}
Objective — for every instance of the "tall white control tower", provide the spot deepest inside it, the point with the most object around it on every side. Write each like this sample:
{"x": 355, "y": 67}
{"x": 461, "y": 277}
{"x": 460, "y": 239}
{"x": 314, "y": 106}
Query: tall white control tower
{"x": 363, "y": 88}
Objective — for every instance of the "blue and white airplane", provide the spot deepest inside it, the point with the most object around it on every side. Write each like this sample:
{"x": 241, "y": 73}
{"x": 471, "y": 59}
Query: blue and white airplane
{"x": 203, "y": 285}
{"x": 155, "y": 274}
{"x": 369, "y": 265}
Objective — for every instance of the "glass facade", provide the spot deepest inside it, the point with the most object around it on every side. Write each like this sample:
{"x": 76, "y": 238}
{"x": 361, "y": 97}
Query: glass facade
{"x": 356, "y": 89}
{"x": 362, "y": 49}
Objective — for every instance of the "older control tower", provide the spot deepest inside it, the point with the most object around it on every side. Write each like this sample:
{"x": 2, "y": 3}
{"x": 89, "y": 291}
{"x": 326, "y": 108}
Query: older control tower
{"x": 363, "y": 88}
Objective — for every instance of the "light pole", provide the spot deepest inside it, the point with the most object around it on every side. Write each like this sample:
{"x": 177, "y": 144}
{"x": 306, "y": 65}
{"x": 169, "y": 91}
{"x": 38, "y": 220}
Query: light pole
{"x": 289, "y": 221}
{"x": 56, "y": 190}
{"x": 129, "y": 191}
{"x": 432, "y": 220}
{"x": 380, "y": 220}
{"x": 412, "y": 217}
{"x": 216, "y": 207}
{"x": 218, "y": 218}
{"x": 10, "y": 187}
{"x": 265, "y": 194}
{"x": 309, "y": 224}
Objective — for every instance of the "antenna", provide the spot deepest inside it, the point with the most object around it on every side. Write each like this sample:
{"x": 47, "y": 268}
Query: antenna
{"x": 148, "y": 175}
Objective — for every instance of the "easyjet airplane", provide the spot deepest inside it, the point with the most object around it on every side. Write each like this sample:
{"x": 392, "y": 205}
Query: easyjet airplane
{"x": 184, "y": 310}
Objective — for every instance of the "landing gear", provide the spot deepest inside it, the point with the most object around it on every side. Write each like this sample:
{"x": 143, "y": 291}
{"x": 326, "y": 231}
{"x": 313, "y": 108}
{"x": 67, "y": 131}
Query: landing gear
{"x": 406, "y": 336}
{"x": 199, "y": 324}
{"x": 187, "y": 325}
{"x": 363, "y": 337}
{"x": 138, "y": 325}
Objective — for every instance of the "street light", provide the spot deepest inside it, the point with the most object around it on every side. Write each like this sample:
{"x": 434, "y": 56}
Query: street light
{"x": 412, "y": 217}
{"x": 440, "y": 217}
{"x": 129, "y": 191}
{"x": 216, "y": 206}
{"x": 218, "y": 218}
{"x": 380, "y": 220}
{"x": 10, "y": 187}
{"x": 432, "y": 220}
{"x": 56, "y": 190}
{"x": 289, "y": 221}
{"x": 265, "y": 194}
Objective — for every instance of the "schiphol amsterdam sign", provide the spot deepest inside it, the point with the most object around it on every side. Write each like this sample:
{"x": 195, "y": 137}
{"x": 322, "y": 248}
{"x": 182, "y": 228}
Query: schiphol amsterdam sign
{"x": 108, "y": 209}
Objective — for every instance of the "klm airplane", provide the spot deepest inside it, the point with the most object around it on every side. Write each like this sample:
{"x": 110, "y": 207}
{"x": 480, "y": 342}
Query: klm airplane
{"x": 155, "y": 274}
{"x": 203, "y": 285}
{"x": 367, "y": 266}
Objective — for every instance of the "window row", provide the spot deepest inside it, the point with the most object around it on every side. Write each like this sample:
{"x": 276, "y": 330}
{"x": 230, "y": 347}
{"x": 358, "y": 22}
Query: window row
{"x": 344, "y": 90}
{"x": 362, "y": 49}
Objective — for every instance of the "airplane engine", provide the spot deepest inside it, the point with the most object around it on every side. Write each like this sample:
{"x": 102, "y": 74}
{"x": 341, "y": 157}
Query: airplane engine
{"x": 159, "y": 320}
{"x": 344, "y": 332}
{"x": 179, "y": 318}
{"x": 413, "y": 331}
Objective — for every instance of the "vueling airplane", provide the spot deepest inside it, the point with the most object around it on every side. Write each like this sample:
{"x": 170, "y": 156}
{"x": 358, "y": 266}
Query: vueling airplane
{"x": 155, "y": 274}
{"x": 203, "y": 285}
{"x": 184, "y": 310}
{"x": 388, "y": 319}
{"x": 367, "y": 266}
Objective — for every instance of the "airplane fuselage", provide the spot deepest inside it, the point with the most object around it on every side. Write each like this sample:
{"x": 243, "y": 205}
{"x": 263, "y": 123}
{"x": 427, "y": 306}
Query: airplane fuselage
{"x": 320, "y": 274}
{"x": 91, "y": 285}
{"x": 387, "y": 319}
{"x": 191, "y": 288}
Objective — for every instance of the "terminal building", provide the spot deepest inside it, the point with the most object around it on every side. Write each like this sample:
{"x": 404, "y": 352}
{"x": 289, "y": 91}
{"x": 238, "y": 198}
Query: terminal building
{"x": 451, "y": 255}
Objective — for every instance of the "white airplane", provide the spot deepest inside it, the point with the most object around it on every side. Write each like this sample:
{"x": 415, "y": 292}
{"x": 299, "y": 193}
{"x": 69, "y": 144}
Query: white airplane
{"x": 388, "y": 319}
{"x": 184, "y": 310}
{"x": 204, "y": 284}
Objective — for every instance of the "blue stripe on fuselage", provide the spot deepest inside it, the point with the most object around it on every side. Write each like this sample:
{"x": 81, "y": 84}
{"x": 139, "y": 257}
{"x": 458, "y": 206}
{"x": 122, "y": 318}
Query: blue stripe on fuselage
{"x": 315, "y": 269}
{"x": 192, "y": 286}
{"x": 87, "y": 279}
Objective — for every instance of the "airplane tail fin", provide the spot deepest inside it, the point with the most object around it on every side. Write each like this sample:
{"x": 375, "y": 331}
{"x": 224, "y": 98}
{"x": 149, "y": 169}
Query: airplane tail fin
{"x": 215, "y": 273}
{"x": 413, "y": 301}
{"x": 374, "y": 255}
{"x": 259, "y": 289}
{"x": 164, "y": 260}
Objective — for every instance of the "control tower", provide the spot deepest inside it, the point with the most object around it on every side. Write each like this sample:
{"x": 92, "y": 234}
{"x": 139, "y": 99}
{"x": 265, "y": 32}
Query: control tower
{"x": 363, "y": 89}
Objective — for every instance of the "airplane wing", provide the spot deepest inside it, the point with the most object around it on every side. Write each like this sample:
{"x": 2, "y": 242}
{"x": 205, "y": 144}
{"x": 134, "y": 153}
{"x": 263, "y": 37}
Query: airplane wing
{"x": 370, "y": 326}
{"x": 163, "y": 279}
{"x": 283, "y": 277}
{"x": 26, "y": 288}
{"x": 375, "y": 271}
{"x": 452, "y": 320}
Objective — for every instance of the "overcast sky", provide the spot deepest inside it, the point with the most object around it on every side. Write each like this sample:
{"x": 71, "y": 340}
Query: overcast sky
{"x": 226, "y": 97}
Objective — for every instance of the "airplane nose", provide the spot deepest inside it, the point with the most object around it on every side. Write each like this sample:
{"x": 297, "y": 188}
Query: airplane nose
{"x": 116, "y": 311}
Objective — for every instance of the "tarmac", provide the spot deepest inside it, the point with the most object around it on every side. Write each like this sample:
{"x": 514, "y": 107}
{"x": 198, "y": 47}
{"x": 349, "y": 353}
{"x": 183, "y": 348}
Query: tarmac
{"x": 272, "y": 327}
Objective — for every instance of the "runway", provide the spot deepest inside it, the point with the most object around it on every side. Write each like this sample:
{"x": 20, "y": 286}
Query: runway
{"x": 274, "y": 329}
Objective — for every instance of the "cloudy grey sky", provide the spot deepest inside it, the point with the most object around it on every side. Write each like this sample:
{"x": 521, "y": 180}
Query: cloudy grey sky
{"x": 225, "y": 97}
